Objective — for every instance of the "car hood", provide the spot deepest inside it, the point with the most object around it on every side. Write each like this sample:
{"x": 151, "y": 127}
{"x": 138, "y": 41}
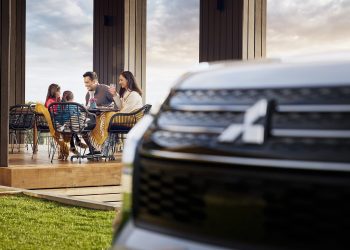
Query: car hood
{"x": 267, "y": 74}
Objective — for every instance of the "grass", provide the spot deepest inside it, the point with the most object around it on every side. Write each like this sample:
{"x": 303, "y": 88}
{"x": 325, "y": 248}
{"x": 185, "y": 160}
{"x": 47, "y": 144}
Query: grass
{"x": 30, "y": 223}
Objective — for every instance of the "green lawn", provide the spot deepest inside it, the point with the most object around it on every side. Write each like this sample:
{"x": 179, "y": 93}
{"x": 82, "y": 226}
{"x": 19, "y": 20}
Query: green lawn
{"x": 29, "y": 223}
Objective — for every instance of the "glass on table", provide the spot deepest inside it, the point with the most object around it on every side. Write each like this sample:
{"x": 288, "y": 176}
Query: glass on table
{"x": 113, "y": 89}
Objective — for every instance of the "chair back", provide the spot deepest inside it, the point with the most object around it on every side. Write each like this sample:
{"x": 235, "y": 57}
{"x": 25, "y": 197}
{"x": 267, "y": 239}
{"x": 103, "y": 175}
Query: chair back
{"x": 41, "y": 123}
{"x": 21, "y": 117}
{"x": 122, "y": 123}
{"x": 69, "y": 117}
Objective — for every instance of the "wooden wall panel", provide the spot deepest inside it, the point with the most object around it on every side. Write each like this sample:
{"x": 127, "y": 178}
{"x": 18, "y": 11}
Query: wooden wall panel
{"x": 122, "y": 45}
{"x": 12, "y": 65}
{"x": 220, "y": 30}
{"x": 108, "y": 45}
{"x": 5, "y": 32}
{"x": 263, "y": 27}
{"x": 17, "y": 57}
{"x": 232, "y": 29}
{"x": 254, "y": 37}
{"x": 135, "y": 40}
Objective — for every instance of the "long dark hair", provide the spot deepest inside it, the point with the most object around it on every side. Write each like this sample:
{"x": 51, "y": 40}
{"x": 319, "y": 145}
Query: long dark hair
{"x": 67, "y": 96}
{"x": 51, "y": 91}
{"x": 131, "y": 83}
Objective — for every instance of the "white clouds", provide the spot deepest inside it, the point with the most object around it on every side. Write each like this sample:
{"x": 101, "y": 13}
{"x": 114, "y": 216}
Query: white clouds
{"x": 58, "y": 46}
{"x": 173, "y": 30}
{"x": 307, "y": 26}
{"x": 172, "y": 43}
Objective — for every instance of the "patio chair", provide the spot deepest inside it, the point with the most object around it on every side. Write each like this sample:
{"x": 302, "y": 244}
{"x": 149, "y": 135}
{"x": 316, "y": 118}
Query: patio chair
{"x": 119, "y": 126}
{"x": 21, "y": 121}
{"x": 70, "y": 118}
{"x": 43, "y": 133}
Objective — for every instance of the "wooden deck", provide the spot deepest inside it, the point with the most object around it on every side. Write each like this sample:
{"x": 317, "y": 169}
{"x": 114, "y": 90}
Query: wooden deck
{"x": 39, "y": 173}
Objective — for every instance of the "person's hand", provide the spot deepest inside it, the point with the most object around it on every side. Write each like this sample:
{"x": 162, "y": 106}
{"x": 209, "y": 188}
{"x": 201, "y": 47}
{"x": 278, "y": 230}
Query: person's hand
{"x": 113, "y": 91}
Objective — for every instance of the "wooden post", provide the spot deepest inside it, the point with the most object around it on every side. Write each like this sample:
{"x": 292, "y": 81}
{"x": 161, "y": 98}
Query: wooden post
{"x": 135, "y": 40}
{"x": 5, "y": 16}
{"x": 232, "y": 30}
{"x": 108, "y": 45}
{"x": 12, "y": 43}
{"x": 120, "y": 39}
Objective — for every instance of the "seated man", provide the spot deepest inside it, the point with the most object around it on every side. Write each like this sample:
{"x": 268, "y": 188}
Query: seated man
{"x": 102, "y": 95}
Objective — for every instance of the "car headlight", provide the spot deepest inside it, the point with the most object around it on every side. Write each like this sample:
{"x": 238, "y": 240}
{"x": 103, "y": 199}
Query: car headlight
{"x": 134, "y": 136}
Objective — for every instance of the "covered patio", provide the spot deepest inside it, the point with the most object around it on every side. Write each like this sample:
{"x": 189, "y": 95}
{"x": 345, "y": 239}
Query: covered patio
{"x": 228, "y": 30}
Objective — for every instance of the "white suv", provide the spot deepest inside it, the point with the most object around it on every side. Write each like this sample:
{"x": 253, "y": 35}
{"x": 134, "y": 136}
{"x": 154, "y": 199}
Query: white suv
{"x": 245, "y": 156}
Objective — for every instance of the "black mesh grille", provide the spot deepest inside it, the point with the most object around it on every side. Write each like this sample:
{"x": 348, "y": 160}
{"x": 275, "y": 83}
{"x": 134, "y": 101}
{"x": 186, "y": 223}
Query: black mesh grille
{"x": 310, "y": 149}
{"x": 235, "y": 205}
{"x": 311, "y": 120}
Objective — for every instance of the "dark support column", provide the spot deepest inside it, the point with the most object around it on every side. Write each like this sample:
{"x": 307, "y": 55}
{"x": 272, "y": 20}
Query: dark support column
{"x": 5, "y": 32}
{"x": 108, "y": 54}
{"x": 12, "y": 43}
{"x": 232, "y": 29}
{"x": 17, "y": 52}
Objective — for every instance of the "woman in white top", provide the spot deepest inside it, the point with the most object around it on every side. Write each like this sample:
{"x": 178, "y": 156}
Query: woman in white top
{"x": 129, "y": 98}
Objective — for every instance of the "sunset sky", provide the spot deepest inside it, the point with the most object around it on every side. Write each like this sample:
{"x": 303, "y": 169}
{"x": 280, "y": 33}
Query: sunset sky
{"x": 59, "y": 39}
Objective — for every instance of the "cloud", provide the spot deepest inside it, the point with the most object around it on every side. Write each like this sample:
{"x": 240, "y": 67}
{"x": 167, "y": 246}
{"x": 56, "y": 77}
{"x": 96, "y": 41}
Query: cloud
{"x": 59, "y": 44}
{"x": 60, "y": 24}
{"x": 173, "y": 31}
{"x": 307, "y": 26}
{"x": 172, "y": 43}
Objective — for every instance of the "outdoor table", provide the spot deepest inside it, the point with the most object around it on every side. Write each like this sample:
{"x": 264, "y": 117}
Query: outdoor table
{"x": 99, "y": 110}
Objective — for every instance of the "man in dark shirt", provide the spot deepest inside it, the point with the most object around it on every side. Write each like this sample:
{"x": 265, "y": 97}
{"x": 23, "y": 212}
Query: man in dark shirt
{"x": 103, "y": 98}
{"x": 102, "y": 95}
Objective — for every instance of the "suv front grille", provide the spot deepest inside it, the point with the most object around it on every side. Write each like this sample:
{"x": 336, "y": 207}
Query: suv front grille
{"x": 243, "y": 205}
{"x": 305, "y": 123}
{"x": 303, "y": 95}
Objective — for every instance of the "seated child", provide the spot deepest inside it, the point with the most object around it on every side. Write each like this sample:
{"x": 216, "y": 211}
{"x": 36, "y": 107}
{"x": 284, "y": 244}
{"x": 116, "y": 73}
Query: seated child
{"x": 71, "y": 114}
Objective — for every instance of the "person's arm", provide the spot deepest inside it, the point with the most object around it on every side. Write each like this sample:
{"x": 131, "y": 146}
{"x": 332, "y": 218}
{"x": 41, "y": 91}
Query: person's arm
{"x": 117, "y": 101}
{"x": 116, "y": 98}
{"x": 87, "y": 99}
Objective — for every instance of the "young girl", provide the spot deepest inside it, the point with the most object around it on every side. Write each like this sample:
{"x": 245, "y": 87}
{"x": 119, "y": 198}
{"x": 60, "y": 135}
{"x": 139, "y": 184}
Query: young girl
{"x": 53, "y": 94}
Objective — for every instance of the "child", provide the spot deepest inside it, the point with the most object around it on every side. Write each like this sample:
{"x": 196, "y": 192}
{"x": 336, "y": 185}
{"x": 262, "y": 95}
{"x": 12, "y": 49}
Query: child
{"x": 71, "y": 110}
{"x": 53, "y": 94}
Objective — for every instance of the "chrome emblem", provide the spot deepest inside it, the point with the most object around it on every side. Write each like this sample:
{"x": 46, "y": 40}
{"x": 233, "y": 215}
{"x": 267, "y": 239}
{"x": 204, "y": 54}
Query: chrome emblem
{"x": 250, "y": 132}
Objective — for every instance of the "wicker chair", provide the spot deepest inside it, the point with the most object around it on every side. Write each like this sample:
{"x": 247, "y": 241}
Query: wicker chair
{"x": 43, "y": 132}
{"x": 70, "y": 118}
{"x": 119, "y": 126}
{"x": 21, "y": 121}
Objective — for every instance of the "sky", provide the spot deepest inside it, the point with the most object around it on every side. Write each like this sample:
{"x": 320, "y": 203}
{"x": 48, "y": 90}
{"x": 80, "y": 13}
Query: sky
{"x": 58, "y": 46}
{"x": 59, "y": 39}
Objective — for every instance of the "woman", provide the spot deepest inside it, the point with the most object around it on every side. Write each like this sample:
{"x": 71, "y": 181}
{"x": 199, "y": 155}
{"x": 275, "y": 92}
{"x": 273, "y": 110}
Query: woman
{"x": 53, "y": 94}
{"x": 129, "y": 98}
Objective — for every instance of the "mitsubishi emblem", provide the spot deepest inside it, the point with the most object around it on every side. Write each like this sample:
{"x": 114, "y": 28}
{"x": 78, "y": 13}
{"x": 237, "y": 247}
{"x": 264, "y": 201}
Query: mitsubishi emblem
{"x": 250, "y": 132}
